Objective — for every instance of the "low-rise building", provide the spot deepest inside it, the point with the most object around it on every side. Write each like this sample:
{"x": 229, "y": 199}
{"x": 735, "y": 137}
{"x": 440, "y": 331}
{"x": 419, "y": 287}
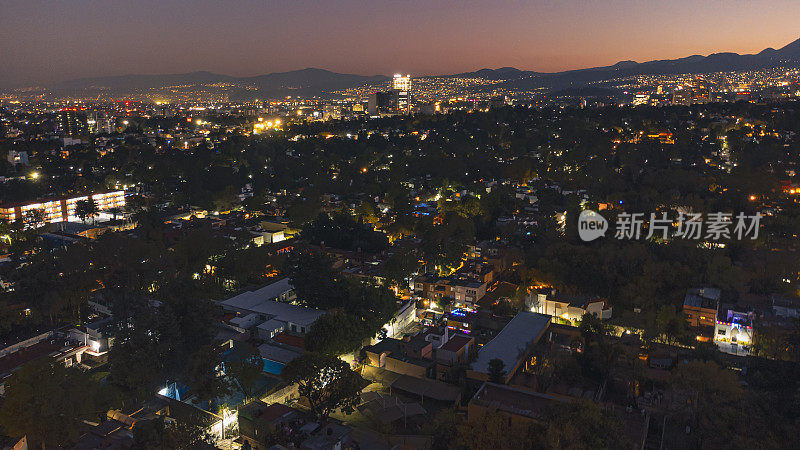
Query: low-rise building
{"x": 58, "y": 349}
{"x": 461, "y": 320}
{"x": 61, "y": 209}
{"x": 408, "y": 356}
{"x": 700, "y": 306}
{"x": 571, "y": 308}
{"x": 464, "y": 291}
{"x": 260, "y": 425}
{"x": 733, "y": 331}
{"x": 14, "y": 157}
{"x": 259, "y": 422}
{"x": 271, "y": 232}
{"x": 265, "y": 310}
{"x": 521, "y": 406}
{"x": 785, "y": 307}
{"x": 452, "y": 353}
{"x": 513, "y": 346}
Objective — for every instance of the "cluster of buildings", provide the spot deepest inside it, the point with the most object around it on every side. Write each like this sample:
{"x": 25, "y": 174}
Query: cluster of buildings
{"x": 775, "y": 83}
{"x": 733, "y": 326}
{"x": 396, "y": 100}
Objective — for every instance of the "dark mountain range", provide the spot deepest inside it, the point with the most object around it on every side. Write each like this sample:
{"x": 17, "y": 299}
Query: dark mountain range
{"x": 142, "y": 81}
{"x": 503, "y": 73}
{"x": 309, "y": 81}
{"x": 313, "y": 81}
{"x": 716, "y": 62}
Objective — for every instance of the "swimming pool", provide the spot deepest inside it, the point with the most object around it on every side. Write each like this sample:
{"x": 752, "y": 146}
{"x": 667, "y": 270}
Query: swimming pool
{"x": 273, "y": 367}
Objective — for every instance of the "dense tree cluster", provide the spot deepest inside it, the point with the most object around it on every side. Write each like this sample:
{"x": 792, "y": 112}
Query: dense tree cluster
{"x": 356, "y": 310}
{"x": 341, "y": 231}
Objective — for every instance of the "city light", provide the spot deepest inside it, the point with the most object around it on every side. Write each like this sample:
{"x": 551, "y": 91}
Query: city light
{"x": 289, "y": 248}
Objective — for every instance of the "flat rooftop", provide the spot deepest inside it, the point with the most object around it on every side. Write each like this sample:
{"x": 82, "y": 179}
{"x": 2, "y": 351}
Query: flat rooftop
{"x": 513, "y": 400}
{"x": 248, "y": 299}
{"x": 702, "y": 298}
{"x": 456, "y": 343}
{"x": 513, "y": 341}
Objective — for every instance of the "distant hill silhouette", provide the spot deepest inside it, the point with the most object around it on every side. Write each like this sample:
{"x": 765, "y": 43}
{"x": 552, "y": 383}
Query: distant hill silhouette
{"x": 142, "y": 81}
{"x": 716, "y": 62}
{"x": 308, "y": 81}
{"x": 312, "y": 81}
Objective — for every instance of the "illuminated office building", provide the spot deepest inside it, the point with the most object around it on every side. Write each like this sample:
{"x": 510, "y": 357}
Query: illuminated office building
{"x": 61, "y": 209}
{"x": 401, "y": 85}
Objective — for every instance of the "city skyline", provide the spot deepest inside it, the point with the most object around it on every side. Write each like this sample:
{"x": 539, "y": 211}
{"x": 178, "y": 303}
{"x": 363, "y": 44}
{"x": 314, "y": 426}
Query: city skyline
{"x": 253, "y": 224}
{"x": 55, "y": 42}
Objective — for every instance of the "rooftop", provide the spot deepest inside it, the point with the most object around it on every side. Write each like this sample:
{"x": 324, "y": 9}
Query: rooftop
{"x": 514, "y": 340}
{"x": 247, "y": 300}
{"x": 277, "y": 353}
{"x": 46, "y": 348}
{"x": 513, "y": 400}
{"x": 702, "y": 298}
{"x": 291, "y": 340}
{"x": 258, "y": 410}
{"x": 456, "y": 343}
{"x": 578, "y": 301}
{"x": 272, "y": 227}
{"x": 261, "y": 302}
{"x": 398, "y": 349}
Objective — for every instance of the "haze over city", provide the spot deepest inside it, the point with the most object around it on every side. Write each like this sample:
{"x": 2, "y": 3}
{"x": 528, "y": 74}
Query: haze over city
{"x": 46, "y": 41}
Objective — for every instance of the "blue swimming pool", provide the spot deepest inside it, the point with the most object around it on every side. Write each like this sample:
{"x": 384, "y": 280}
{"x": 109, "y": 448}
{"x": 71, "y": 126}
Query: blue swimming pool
{"x": 273, "y": 367}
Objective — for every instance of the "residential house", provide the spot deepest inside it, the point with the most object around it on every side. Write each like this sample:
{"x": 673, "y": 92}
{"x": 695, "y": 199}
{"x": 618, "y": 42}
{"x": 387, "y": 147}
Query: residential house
{"x": 119, "y": 428}
{"x": 461, "y": 320}
{"x": 452, "y": 353}
{"x": 513, "y": 346}
{"x": 700, "y": 306}
{"x": 408, "y": 356}
{"x": 265, "y": 311}
{"x": 571, "y": 308}
{"x": 259, "y": 422}
{"x": 271, "y": 232}
{"x": 733, "y": 331}
{"x": 464, "y": 291}
{"x": 56, "y": 348}
{"x": 333, "y": 436}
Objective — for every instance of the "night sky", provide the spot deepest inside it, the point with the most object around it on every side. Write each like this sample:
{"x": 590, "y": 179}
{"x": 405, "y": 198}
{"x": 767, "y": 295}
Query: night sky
{"x": 44, "y": 41}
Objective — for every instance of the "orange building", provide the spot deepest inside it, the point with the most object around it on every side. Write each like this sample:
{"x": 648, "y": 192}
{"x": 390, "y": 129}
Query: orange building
{"x": 700, "y": 306}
